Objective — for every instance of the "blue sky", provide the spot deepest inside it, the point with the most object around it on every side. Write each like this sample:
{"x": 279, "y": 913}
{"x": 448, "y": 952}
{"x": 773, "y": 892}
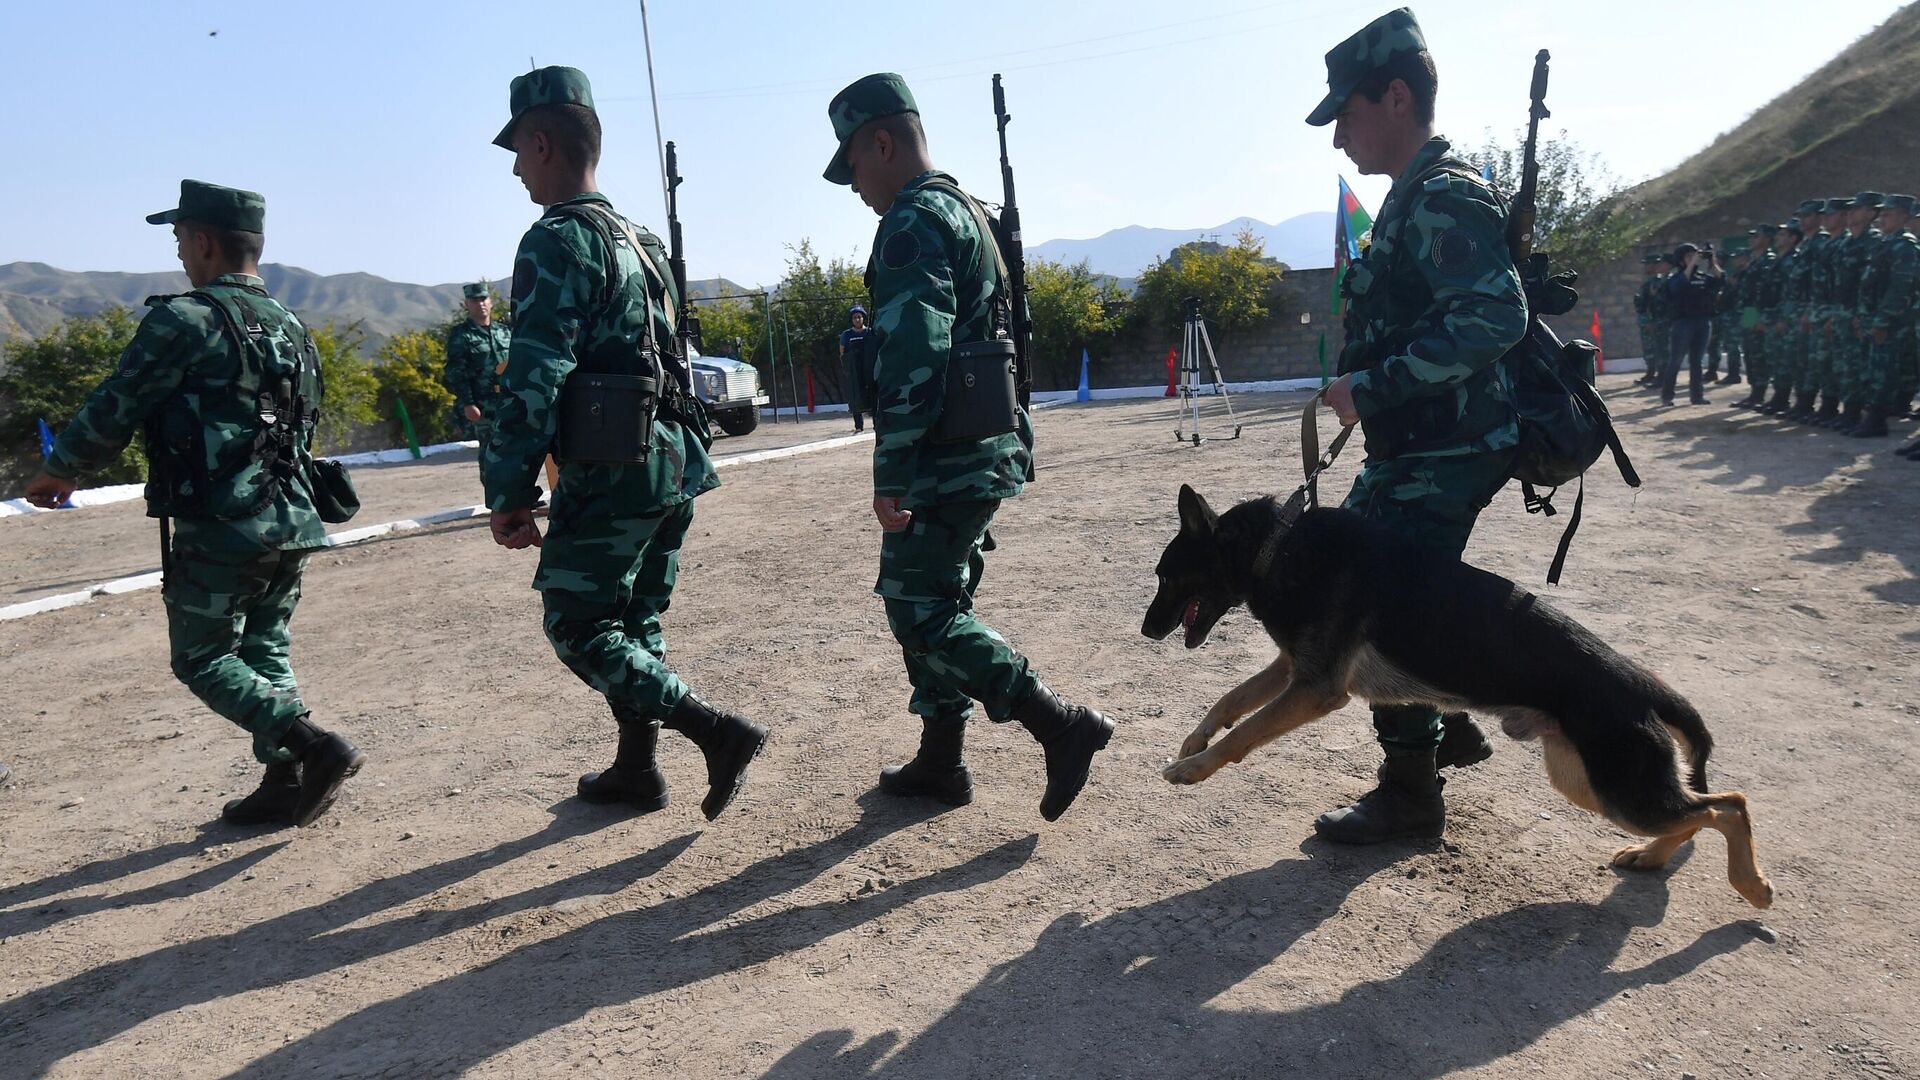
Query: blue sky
{"x": 367, "y": 125}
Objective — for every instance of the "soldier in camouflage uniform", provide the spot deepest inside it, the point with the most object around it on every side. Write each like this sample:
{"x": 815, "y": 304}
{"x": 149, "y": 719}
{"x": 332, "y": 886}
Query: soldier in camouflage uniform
{"x": 1643, "y": 314}
{"x": 233, "y": 478}
{"x": 1432, "y": 306}
{"x": 938, "y": 283}
{"x": 1847, "y": 361}
{"x": 476, "y": 357}
{"x": 1756, "y": 286}
{"x": 591, "y": 292}
{"x": 1660, "y": 318}
{"x": 1794, "y": 275}
{"x": 1886, "y": 306}
{"x": 1823, "y": 253}
{"x": 1726, "y": 320}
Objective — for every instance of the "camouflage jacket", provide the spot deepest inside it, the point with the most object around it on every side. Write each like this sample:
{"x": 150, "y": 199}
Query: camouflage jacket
{"x": 561, "y": 278}
{"x": 1753, "y": 282}
{"x": 184, "y": 379}
{"x": 1729, "y": 303}
{"x": 1826, "y": 270}
{"x": 1770, "y": 286}
{"x": 1652, "y": 300}
{"x": 1801, "y": 270}
{"x": 1435, "y": 302}
{"x": 1887, "y": 295}
{"x": 932, "y": 276}
{"x": 476, "y": 357}
{"x": 1850, "y": 267}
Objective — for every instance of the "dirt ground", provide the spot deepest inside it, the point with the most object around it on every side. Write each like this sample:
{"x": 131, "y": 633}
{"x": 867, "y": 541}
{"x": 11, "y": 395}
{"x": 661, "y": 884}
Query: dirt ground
{"x": 459, "y": 912}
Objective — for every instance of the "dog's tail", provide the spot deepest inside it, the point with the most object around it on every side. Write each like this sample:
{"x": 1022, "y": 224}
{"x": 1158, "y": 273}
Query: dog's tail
{"x": 1676, "y": 713}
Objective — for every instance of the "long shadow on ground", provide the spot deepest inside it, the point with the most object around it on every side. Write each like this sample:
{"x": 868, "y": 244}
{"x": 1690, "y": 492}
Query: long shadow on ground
{"x": 446, "y": 1027}
{"x": 1129, "y": 995}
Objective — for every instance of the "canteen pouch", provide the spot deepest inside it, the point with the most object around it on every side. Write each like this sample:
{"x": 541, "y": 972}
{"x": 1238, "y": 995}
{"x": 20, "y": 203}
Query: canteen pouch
{"x": 607, "y": 419}
{"x": 333, "y": 495}
{"x": 980, "y": 401}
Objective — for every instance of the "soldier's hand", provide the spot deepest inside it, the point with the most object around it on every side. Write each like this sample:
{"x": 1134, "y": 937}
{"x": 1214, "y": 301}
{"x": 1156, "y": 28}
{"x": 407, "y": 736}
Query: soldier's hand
{"x": 47, "y": 491}
{"x": 887, "y": 509}
{"x": 514, "y": 529}
{"x": 471, "y": 412}
{"x": 1340, "y": 400}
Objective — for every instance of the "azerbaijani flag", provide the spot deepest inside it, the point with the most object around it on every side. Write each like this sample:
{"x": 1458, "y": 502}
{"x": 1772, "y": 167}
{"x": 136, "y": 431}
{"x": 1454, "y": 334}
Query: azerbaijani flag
{"x": 1350, "y": 223}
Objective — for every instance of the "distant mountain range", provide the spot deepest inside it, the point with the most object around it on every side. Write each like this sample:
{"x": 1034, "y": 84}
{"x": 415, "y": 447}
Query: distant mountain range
{"x": 35, "y": 296}
{"x": 1304, "y": 241}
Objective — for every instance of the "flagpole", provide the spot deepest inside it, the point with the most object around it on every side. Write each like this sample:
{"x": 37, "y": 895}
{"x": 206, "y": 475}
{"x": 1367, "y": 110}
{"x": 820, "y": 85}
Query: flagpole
{"x": 646, "y": 35}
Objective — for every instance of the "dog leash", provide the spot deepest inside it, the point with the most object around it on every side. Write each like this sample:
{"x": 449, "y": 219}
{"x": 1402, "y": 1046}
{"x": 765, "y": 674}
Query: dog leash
{"x": 1311, "y": 460}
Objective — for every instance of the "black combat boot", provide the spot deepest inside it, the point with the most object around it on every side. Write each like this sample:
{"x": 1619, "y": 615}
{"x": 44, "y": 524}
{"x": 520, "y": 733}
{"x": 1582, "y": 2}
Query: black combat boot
{"x": 1406, "y": 805}
{"x": 1732, "y": 379}
{"x": 634, "y": 778}
{"x": 326, "y": 761}
{"x": 1873, "y": 424}
{"x": 1802, "y": 410}
{"x": 1755, "y": 397}
{"x": 272, "y": 802}
{"x": 1070, "y": 735}
{"x": 727, "y": 740}
{"x": 1779, "y": 402}
{"x": 1829, "y": 412}
{"x": 937, "y": 771}
{"x": 1849, "y": 418}
{"x": 1462, "y": 743}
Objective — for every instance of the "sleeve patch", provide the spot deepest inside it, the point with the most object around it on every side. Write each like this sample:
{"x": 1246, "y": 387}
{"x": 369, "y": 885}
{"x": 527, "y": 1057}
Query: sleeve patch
{"x": 901, "y": 250}
{"x": 525, "y": 273}
{"x": 1455, "y": 250}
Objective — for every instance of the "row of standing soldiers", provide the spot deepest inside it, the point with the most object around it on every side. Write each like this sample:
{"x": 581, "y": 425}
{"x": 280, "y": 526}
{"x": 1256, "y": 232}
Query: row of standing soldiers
{"x": 1820, "y": 311}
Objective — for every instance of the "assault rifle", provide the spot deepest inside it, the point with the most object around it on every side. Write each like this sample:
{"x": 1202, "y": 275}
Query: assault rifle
{"x": 687, "y": 319}
{"x": 1520, "y": 218}
{"x": 1015, "y": 253}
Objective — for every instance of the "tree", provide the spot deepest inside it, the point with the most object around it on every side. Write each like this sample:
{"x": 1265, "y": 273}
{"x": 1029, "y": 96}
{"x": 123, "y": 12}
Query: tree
{"x": 408, "y": 369}
{"x": 809, "y": 311}
{"x": 1236, "y": 285}
{"x": 1569, "y": 223}
{"x": 49, "y": 377}
{"x": 1072, "y": 309}
{"x": 736, "y": 328}
{"x": 352, "y": 389}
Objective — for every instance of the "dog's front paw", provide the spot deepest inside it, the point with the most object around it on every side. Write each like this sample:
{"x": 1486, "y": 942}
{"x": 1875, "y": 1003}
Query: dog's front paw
{"x": 1189, "y": 770}
{"x": 1196, "y": 742}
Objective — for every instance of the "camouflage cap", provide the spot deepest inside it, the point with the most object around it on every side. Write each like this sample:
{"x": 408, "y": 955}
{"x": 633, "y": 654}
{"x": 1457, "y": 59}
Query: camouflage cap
{"x": 1837, "y": 204}
{"x": 1809, "y": 206}
{"x": 1734, "y": 243}
{"x": 476, "y": 291}
{"x": 1898, "y": 203}
{"x": 544, "y": 86}
{"x": 1355, "y": 58}
{"x": 1868, "y": 200}
{"x": 866, "y": 99}
{"x": 1765, "y": 228}
{"x": 220, "y": 207}
{"x": 1792, "y": 228}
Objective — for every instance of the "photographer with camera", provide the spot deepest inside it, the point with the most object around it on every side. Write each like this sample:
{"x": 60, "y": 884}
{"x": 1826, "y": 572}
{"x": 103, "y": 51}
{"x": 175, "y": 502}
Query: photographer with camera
{"x": 1694, "y": 290}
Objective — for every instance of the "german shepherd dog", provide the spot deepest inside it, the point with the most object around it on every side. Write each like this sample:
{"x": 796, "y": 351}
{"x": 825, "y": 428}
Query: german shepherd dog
{"x": 1358, "y": 610}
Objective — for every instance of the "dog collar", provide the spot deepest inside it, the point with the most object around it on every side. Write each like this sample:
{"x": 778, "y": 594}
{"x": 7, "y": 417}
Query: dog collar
{"x": 1289, "y": 514}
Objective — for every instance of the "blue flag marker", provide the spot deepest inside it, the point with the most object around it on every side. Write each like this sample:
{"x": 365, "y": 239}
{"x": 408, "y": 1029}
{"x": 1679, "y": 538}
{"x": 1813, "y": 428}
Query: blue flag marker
{"x": 46, "y": 440}
{"x": 1083, "y": 394}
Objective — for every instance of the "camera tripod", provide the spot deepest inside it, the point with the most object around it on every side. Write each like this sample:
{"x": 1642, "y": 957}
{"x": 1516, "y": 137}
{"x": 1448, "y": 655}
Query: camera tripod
{"x": 1193, "y": 341}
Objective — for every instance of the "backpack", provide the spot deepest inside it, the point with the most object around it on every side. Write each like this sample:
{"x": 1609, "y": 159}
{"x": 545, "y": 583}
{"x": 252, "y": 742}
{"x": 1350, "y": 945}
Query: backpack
{"x": 1564, "y": 423}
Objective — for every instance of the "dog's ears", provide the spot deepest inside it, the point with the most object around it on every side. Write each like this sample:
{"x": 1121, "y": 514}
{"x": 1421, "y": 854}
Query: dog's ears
{"x": 1195, "y": 515}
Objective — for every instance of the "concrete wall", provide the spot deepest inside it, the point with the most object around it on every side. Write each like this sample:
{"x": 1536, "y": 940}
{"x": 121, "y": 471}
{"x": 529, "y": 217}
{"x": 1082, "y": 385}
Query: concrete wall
{"x": 1284, "y": 348}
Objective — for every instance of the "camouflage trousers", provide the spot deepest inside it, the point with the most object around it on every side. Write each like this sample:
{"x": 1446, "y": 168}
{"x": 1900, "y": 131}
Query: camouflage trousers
{"x": 1660, "y": 348}
{"x": 1891, "y": 371}
{"x": 1433, "y": 501}
{"x": 1646, "y": 342}
{"x": 928, "y": 574}
{"x": 1819, "y": 354}
{"x": 1787, "y": 353}
{"x": 1754, "y": 349}
{"x": 604, "y": 581}
{"x": 1848, "y": 377}
{"x": 1725, "y": 344}
{"x": 227, "y": 630}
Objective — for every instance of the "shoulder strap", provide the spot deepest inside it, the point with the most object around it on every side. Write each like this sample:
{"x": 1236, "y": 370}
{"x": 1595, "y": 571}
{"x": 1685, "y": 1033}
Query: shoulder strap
{"x": 987, "y": 234}
{"x": 607, "y": 222}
